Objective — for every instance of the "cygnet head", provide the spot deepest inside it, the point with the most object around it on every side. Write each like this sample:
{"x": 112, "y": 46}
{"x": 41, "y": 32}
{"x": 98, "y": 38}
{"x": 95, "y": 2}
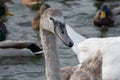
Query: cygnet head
{"x": 52, "y": 20}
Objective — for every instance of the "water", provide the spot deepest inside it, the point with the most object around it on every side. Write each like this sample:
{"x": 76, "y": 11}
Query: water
{"x": 78, "y": 14}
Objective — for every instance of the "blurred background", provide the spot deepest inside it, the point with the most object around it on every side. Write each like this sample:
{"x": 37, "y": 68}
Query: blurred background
{"x": 78, "y": 14}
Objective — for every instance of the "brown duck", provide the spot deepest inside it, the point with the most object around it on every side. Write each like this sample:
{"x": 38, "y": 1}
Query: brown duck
{"x": 105, "y": 16}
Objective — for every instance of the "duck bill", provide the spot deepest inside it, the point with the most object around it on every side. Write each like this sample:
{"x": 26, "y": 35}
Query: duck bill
{"x": 61, "y": 31}
{"x": 9, "y": 13}
{"x": 103, "y": 15}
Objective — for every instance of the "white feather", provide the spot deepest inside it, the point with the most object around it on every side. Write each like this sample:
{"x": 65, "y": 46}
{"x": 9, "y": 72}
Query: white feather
{"x": 109, "y": 47}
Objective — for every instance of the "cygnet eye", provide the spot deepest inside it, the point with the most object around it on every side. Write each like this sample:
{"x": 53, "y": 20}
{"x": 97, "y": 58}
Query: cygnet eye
{"x": 51, "y": 19}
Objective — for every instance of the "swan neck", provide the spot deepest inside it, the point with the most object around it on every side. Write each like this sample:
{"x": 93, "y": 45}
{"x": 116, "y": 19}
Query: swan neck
{"x": 51, "y": 57}
{"x": 76, "y": 37}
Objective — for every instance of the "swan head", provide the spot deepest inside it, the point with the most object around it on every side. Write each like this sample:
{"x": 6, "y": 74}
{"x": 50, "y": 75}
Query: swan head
{"x": 52, "y": 20}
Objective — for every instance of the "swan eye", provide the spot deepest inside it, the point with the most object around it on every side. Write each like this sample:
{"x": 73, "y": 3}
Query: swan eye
{"x": 51, "y": 19}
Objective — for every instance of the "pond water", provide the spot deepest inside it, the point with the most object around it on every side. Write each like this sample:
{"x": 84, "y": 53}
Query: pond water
{"x": 78, "y": 14}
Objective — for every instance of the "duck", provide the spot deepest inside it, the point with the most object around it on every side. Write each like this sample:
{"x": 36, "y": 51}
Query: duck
{"x": 52, "y": 25}
{"x": 3, "y": 29}
{"x": 36, "y": 18}
{"x": 33, "y": 4}
{"x": 17, "y": 48}
{"x": 10, "y": 48}
{"x": 105, "y": 16}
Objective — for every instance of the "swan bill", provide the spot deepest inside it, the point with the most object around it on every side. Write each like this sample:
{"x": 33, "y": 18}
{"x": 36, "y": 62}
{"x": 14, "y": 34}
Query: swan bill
{"x": 60, "y": 30}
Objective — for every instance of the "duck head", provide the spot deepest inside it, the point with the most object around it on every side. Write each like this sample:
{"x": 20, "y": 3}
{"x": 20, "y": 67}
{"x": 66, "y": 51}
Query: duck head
{"x": 105, "y": 11}
{"x": 52, "y": 20}
{"x": 4, "y": 11}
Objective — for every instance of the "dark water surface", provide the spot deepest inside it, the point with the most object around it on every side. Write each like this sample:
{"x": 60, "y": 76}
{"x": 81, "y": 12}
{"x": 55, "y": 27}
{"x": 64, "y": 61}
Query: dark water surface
{"x": 78, "y": 14}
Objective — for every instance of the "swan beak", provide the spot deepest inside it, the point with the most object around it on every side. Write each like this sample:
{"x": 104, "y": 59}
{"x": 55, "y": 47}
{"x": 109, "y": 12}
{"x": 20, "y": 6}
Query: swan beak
{"x": 103, "y": 15}
{"x": 61, "y": 31}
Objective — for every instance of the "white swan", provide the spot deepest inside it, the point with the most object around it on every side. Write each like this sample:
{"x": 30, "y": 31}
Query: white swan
{"x": 19, "y": 48}
{"x": 109, "y": 47}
